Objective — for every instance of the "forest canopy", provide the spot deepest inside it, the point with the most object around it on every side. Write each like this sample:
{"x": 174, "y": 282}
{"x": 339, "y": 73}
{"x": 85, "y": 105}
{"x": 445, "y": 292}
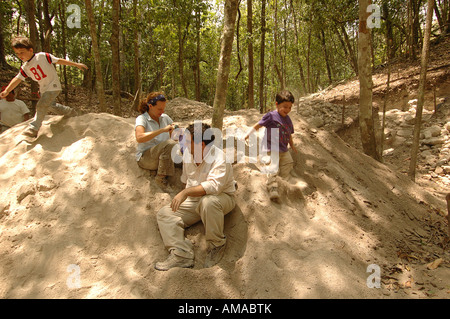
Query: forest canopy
{"x": 174, "y": 45}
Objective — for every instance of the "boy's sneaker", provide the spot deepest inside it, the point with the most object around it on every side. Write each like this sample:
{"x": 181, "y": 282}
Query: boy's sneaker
{"x": 174, "y": 261}
{"x": 214, "y": 255}
{"x": 30, "y": 132}
{"x": 72, "y": 113}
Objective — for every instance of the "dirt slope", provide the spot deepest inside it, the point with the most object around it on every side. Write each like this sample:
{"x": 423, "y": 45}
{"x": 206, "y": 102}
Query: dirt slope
{"x": 75, "y": 199}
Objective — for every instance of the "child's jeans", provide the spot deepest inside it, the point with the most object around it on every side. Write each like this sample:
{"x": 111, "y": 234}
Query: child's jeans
{"x": 46, "y": 102}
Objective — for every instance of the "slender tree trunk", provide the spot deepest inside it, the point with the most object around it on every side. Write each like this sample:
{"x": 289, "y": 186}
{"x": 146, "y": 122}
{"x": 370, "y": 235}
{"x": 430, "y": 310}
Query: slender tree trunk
{"x": 115, "y": 70}
{"x": 366, "y": 120}
{"x": 297, "y": 50}
{"x": 181, "y": 40}
{"x": 422, "y": 83}
{"x": 238, "y": 46}
{"x": 48, "y": 27}
{"x": 137, "y": 66}
{"x": 325, "y": 52}
{"x": 30, "y": 9}
{"x": 224, "y": 63}
{"x": 388, "y": 83}
{"x": 308, "y": 61}
{"x": 62, "y": 18}
{"x": 3, "y": 63}
{"x": 275, "y": 60}
{"x": 261, "y": 65}
{"x": 351, "y": 54}
{"x": 251, "y": 93}
{"x": 97, "y": 60}
{"x": 197, "y": 57}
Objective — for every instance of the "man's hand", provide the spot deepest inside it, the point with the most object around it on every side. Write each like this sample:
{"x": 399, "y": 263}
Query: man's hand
{"x": 178, "y": 200}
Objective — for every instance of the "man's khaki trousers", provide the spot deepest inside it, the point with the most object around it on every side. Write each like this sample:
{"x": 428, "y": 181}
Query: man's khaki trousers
{"x": 210, "y": 209}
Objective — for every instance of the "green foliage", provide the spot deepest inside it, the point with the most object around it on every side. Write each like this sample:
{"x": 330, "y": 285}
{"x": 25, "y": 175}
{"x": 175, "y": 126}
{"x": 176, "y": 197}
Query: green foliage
{"x": 168, "y": 43}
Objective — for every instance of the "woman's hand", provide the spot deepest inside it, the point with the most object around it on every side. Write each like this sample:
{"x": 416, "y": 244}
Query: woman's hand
{"x": 169, "y": 128}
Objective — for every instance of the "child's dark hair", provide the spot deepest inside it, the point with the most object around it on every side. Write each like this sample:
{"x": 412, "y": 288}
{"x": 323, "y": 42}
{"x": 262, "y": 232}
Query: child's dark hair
{"x": 20, "y": 42}
{"x": 151, "y": 99}
{"x": 194, "y": 131}
{"x": 285, "y": 96}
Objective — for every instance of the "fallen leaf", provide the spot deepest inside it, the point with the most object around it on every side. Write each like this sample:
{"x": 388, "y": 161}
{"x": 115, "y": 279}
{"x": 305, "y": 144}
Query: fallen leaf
{"x": 434, "y": 264}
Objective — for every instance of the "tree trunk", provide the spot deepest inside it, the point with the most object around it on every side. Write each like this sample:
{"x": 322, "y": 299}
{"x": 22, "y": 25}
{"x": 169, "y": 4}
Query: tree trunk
{"x": 366, "y": 121}
{"x": 62, "y": 18}
{"x": 181, "y": 40}
{"x": 115, "y": 70}
{"x": 137, "y": 66}
{"x": 48, "y": 27}
{"x": 197, "y": 57}
{"x": 3, "y": 63}
{"x": 261, "y": 65}
{"x": 297, "y": 51}
{"x": 224, "y": 63}
{"x": 251, "y": 97}
{"x": 275, "y": 38}
{"x": 422, "y": 83}
{"x": 325, "y": 52}
{"x": 351, "y": 55}
{"x": 97, "y": 60}
{"x": 308, "y": 61}
{"x": 388, "y": 83}
{"x": 30, "y": 10}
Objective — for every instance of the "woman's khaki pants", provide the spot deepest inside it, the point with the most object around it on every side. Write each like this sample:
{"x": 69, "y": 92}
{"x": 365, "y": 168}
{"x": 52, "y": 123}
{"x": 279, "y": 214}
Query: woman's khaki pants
{"x": 158, "y": 158}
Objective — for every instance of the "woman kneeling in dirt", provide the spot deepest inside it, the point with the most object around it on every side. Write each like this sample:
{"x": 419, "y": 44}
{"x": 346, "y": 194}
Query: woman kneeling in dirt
{"x": 153, "y": 131}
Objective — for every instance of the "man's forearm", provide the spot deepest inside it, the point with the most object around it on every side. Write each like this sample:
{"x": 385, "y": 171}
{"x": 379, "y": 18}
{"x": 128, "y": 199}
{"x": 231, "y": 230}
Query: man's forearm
{"x": 195, "y": 191}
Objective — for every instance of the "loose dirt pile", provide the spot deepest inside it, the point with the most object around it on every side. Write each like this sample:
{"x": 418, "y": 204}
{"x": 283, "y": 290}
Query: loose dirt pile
{"x": 74, "y": 205}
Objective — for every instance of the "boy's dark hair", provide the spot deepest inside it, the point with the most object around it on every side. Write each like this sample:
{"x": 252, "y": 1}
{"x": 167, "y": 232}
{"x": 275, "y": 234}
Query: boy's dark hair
{"x": 22, "y": 43}
{"x": 285, "y": 96}
{"x": 151, "y": 99}
{"x": 194, "y": 131}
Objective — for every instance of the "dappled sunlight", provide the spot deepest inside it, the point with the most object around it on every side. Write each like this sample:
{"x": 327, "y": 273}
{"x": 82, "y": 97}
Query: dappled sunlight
{"x": 82, "y": 200}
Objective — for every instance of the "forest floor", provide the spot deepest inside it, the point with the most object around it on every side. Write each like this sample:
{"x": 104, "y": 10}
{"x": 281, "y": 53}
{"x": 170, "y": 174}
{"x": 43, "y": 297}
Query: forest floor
{"x": 74, "y": 202}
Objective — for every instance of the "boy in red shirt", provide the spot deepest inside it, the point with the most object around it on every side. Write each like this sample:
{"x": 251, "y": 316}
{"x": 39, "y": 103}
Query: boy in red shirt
{"x": 39, "y": 67}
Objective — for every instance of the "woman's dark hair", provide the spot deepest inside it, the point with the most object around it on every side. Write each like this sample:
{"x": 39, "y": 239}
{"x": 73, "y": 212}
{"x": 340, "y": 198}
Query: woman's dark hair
{"x": 151, "y": 99}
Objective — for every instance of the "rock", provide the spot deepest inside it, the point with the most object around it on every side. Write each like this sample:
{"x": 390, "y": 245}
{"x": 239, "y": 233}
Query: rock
{"x": 439, "y": 170}
{"x": 388, "y": 152}
{"x": 46, "y": 183}
{"x": 25, "y": 190}
{"x": 317, "y": 122}
{"x": 446, "y": 169}
{"x": 447, "y": 126}
{"x": 430, "y": 132}
{"x": 409, "y": 119}
{"x": 433, "y": 141}
{"x": 405, "y": 133}
{"x": 398, "y": 141}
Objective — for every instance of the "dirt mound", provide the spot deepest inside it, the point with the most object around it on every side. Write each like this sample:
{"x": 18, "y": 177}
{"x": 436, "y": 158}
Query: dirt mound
{"x": 74, "y": 205}
{"x": 181, "y": 109}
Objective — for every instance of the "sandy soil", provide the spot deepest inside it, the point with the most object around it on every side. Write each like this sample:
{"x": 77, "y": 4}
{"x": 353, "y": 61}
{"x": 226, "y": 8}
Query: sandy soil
{"x": 74, "y": 205}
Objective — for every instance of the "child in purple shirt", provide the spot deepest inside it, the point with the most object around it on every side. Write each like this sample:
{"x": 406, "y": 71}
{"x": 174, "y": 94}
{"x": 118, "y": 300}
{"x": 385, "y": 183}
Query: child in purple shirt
{"x": 278, "y": 119}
